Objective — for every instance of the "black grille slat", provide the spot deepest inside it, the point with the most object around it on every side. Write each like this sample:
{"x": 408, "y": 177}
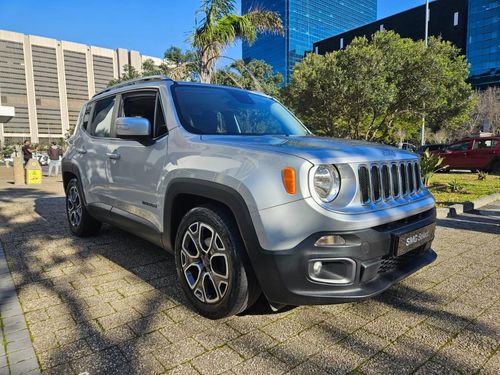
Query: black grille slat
{"x": 410, "y": 178}
{"x": 395, "y": 180}
{"x": 418, "y": 178}
{"x": 386, "y": 182}
{"x": 404, "y": 179}
{"x": 364, "y": 184}
{"x": 375, "y": 182}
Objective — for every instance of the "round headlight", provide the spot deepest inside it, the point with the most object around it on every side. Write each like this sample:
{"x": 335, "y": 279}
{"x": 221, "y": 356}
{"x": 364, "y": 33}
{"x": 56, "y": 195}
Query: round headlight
{"x": 326, "y": 182}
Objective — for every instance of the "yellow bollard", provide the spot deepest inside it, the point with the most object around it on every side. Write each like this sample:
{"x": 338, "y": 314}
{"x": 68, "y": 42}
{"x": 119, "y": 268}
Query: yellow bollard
{"x": 33, "y": 172}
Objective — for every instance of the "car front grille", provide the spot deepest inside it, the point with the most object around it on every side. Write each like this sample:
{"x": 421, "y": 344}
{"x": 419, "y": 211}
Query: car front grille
{"x": 388, "y": 180}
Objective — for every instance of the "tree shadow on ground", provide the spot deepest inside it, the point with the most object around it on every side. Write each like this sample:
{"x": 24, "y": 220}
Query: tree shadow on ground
{"x": 149, "y": 299}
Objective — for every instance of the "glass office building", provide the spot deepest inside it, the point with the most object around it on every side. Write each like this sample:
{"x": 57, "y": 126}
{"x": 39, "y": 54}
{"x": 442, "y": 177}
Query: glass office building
{"x": 305, "y": 22}
{"x": 483, "y": 42}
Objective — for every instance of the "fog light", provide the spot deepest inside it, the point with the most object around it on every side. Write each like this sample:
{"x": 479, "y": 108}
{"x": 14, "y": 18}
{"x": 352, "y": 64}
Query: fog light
{"x": 329, "y": 241}
{"x": 317, "y": 268}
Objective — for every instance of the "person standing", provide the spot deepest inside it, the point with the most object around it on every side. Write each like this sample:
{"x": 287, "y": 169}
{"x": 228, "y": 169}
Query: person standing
{"x": 54, "y": 159}
{"x": 27, "y": 151}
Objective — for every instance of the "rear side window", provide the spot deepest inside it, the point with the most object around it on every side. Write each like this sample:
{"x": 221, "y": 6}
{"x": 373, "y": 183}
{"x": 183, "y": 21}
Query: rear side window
{"x": 484, "y": 143}
{"x": 86, "y": 116}
{"x": 103, "y": 114}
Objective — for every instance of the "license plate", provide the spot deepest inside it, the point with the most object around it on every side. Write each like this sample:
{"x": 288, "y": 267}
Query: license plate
{"x": 409, "y": 241}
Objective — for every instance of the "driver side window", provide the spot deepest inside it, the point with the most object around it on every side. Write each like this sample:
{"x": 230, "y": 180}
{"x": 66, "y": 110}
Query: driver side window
{"x": 459, "y": 146}
{"x": 146, "y": 104}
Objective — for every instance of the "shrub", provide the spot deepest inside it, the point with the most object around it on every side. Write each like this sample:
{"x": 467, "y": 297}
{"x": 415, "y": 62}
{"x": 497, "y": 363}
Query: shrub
{"x": 481, "y": 176}
{"x": 454, "y": 186}
{"x": 429, "y": 164}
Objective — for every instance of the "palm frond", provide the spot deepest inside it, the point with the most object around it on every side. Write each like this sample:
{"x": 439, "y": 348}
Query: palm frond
{"x": 214, "y": 10}
{"x": 265, "y": 21}
{"x": 232, "y": 26}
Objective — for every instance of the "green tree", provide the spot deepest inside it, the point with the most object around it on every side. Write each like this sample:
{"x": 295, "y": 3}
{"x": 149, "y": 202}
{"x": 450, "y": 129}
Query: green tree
{"x": 379, "y": 89}
{"x": 129, "y": 73}
{"x": 255, "y": 75}
{"x": 220, "y": 28}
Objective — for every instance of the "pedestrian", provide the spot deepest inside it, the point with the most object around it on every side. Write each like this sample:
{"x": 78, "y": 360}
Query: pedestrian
{"x": 54, "y": 159}
{"x": 27, "y": 151}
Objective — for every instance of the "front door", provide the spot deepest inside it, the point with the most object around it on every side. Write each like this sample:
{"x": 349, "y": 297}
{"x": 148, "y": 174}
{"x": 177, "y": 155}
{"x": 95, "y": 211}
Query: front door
{"x": 136, "y": 166}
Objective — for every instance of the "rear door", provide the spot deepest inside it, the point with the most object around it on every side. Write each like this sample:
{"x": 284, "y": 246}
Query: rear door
{"x": 482, "y": 153}
{"x": 136, "y": 169}
{"x": 93, "y": 148}
{"x": 455, "y": 155}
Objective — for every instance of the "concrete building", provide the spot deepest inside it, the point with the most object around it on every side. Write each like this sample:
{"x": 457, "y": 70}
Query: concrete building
{"x": 47, "y": 80}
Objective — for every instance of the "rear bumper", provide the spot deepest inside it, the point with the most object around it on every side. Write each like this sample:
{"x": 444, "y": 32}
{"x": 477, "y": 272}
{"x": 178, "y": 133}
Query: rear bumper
{"x": 285, "y": 276}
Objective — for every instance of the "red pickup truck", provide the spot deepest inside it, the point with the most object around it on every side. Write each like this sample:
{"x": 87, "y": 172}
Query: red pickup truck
{"x": 481, "y": 153}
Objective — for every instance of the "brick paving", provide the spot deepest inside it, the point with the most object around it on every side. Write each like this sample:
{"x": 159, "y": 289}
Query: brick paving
{"x": 112, "y": 304}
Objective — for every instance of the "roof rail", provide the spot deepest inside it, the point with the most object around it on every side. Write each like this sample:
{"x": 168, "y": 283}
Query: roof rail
{"x": 133, "y": 82}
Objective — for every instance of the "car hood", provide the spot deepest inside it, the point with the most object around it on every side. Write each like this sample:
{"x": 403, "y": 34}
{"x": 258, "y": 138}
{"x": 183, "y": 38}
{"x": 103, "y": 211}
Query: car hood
{"x": 315, "y": 149}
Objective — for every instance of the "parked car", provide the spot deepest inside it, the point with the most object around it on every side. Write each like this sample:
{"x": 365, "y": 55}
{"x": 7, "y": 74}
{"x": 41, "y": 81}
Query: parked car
{"x": 432, "y": 148}
{"x": 42, "y": 157}
{"x": 479, "y": 153}
{"x": 408, "y": 146}
{"x": 245, "y": 197}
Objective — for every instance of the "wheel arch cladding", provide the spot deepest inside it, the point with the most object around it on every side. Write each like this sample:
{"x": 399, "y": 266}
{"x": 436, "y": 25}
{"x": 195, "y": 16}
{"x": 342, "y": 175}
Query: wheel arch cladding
{"x": 185, "y": 193}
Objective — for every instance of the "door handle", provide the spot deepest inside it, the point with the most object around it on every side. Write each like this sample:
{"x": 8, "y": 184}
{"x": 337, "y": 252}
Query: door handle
{"x": 81, "y": 150}
{"x": 113, "y": 155}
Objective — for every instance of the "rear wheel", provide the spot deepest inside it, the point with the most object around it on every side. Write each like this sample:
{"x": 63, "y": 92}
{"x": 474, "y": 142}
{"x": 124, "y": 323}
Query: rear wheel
{"x": 212, "y": 264}
{"x": 79, "y": 220}
{"x": 495, "y": 167}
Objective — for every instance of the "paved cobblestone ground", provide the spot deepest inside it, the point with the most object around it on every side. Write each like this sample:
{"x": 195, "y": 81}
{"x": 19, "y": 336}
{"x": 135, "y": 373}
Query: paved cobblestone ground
{"x": 111, "y": 304}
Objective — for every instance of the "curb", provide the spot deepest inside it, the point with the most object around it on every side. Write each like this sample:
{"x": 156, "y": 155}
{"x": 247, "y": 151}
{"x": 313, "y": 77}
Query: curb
{"x": 19, "y": 356}
{"x": 460, "y": 208}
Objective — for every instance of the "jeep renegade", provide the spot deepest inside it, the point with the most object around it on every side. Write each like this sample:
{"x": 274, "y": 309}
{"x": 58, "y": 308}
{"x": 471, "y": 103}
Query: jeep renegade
{"x": 247, "y": 199}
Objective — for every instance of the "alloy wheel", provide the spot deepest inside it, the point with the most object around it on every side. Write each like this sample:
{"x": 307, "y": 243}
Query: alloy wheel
{"x": 204, "y": 263}
{"x": 74, "y": 206}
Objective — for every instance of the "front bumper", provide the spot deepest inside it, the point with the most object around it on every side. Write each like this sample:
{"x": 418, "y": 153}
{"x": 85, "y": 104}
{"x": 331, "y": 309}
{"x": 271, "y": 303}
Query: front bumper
{"x": 285, "y": 276}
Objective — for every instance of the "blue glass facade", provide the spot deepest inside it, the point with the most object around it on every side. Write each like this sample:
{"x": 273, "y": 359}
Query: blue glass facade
{"x": 483, "y": 41}
{"x": 305, "y": 22}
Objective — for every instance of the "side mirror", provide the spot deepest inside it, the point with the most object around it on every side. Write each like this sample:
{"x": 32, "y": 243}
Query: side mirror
{"x": 132, "y": 127}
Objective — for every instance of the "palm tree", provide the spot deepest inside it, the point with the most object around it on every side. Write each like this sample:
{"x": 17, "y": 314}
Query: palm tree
{"x": 220, "y": 28}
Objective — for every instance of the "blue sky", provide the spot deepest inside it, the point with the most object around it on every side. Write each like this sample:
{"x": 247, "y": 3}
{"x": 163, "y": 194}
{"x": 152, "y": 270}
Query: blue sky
{"x": 147, "y": 26}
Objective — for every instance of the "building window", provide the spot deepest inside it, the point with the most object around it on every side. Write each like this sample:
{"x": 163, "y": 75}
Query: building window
{"x": 341, "y": 43}
{"x": 382, "y": 27}
{"x": 316, "y": 50}
{"x": 455, "y": 19}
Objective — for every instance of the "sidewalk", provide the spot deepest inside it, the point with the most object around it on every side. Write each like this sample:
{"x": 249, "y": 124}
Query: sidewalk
{"x": 111, "y": 304}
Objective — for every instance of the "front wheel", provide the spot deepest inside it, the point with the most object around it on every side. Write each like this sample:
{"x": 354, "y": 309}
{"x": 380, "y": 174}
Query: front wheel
{"x": 212, "y": 264}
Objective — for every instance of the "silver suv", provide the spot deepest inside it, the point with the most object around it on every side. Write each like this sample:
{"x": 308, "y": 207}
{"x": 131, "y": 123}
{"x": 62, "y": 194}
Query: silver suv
{"x": 245, "y": 197}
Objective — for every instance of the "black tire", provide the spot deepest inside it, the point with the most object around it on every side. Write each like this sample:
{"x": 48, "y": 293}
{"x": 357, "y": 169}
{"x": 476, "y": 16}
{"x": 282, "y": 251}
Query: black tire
{"x": 80, "y": 222}
{"x": 495, "y": 167}
{"x": 206, "y": 239}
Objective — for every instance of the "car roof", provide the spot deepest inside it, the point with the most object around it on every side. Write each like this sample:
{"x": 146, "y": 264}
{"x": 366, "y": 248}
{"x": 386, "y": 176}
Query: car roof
{"x": 146, "y": 82}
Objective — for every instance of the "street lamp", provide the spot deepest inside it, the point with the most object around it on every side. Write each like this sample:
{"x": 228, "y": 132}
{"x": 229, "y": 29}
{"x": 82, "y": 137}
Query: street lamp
{"x": 422, "y": 132}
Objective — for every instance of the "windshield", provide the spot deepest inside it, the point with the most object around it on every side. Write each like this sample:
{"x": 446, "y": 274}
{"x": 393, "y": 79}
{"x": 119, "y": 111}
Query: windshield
{"x": 220, "y": 110}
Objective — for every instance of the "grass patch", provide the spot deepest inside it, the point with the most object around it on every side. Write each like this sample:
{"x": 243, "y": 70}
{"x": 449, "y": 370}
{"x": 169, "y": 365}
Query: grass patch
{"x": 470, "y": 187}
